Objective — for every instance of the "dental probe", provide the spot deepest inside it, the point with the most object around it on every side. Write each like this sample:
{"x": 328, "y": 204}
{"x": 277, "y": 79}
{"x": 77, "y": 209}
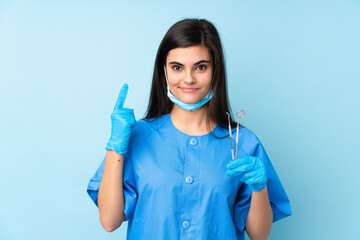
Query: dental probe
{"x": 239, "y": 115}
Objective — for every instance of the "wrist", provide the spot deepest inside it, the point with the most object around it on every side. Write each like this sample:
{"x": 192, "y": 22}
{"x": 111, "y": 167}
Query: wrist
{"x": 117, "y": 148}
{"x": 257, "y": 187}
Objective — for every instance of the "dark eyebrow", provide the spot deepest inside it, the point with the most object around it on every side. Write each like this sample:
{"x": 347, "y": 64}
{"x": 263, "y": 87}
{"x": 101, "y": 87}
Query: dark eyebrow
{"x": 197, "y": 63}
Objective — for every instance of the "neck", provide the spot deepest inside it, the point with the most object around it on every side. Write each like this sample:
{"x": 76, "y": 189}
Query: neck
{"x": 191, "y": 122}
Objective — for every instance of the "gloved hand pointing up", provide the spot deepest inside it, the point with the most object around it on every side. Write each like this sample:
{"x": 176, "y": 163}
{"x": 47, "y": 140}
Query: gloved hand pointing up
{"x": 122, "y": 121}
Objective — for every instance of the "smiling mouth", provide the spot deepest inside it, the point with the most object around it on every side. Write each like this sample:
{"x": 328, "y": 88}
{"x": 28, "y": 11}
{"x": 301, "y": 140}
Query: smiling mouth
{"x": 189, "y": 89}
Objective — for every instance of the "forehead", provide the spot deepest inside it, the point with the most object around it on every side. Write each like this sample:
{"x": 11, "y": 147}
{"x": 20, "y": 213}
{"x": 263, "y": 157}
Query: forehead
{"x": 189, "y": 55}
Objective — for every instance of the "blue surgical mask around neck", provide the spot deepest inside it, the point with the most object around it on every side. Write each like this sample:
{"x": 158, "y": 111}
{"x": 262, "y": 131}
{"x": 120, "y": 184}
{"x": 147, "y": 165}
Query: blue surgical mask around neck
{"x": 189, "y": 106}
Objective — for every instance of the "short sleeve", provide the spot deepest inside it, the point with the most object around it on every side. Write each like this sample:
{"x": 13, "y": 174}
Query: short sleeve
{"x": 242, "y": 206}
{"x": 94, "y": 183}
{"x": 129, "y": 185}
{"x": 279, "y": 201}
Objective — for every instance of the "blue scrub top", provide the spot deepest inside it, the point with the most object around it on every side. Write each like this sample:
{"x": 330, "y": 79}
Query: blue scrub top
{"x": 175, "y": 186}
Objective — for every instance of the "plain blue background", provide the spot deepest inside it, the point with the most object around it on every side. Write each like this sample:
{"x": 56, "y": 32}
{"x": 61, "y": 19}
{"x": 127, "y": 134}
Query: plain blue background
{"x": 293, "y": 66}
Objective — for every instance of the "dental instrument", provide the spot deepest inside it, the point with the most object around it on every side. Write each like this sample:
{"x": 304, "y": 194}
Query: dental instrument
{"x": 232, "y": 147}
{"x": 239, "y": 115}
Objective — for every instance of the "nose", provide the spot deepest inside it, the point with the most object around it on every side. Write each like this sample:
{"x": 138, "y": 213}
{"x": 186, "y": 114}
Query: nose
{"x": 189, "y": 79}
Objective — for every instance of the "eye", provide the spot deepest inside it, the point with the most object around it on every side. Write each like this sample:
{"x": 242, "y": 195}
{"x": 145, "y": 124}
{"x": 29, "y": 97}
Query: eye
{"x": 176, "y": 67}
{"x": 202, "y": 67}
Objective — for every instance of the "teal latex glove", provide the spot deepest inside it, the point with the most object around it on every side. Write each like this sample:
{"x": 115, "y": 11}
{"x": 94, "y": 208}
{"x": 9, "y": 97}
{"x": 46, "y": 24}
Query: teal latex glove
{"x": 252, "y": 171}
{"x": 122, "y": 121}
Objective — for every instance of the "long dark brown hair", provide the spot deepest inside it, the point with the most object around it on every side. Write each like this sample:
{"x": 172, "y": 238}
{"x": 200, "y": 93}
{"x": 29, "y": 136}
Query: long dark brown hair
{"x": 186, "y": 33}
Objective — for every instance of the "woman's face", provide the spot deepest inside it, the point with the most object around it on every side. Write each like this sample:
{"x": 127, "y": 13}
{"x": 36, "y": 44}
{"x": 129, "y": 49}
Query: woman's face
{"x": 189, "y": 72}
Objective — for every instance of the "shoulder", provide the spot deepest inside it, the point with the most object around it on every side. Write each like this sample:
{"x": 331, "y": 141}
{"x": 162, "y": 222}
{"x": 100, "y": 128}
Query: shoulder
{"x": 144, "y": 127}
{"x": 247, "y": 134}
{"x": 248, "y": 140}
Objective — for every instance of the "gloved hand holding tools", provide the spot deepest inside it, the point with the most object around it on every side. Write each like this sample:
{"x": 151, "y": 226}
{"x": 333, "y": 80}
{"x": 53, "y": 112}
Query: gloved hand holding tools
{"x": 252, "y": 171}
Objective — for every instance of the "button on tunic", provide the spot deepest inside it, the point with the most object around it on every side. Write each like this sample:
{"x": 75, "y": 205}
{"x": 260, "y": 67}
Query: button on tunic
{"x": 175, "y": 186}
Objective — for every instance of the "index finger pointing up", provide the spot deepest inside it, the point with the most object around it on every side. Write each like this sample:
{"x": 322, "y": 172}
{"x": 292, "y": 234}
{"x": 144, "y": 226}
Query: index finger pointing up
{"x": 122, "y": 96}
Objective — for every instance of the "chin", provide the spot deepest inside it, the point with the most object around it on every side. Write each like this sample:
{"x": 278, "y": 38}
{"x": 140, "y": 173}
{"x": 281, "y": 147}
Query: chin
{"x": 189, "y": 101}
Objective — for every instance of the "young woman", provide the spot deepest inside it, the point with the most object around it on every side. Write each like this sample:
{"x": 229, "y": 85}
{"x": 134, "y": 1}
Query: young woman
{"x": 171, "y": 174}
